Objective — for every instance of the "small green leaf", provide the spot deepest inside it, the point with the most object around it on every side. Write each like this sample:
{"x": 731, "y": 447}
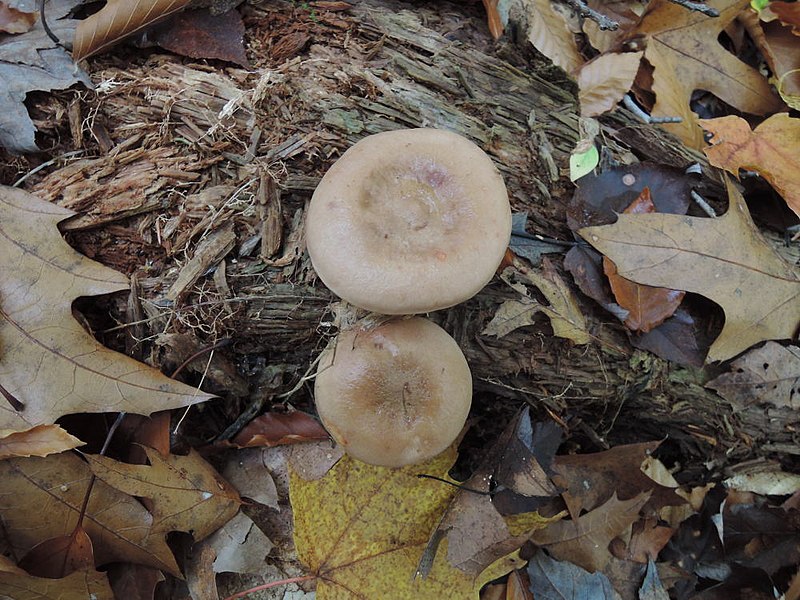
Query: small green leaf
{"x": 583, "y": 163}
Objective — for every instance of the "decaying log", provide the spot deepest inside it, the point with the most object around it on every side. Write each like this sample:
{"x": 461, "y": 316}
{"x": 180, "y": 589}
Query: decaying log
{"x": 381, "y": 65}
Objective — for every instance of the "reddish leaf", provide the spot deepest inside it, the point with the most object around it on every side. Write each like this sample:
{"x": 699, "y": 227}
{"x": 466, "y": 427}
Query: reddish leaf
{"x": 788, "y": 13}
{"x": 275, "y": 429}
{"x": 59, "y": 556}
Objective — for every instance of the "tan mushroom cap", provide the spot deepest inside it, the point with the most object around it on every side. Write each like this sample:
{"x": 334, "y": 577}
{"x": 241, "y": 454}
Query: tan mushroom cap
{"x": 394, "y": 395}
{"x": 409, "y": 221}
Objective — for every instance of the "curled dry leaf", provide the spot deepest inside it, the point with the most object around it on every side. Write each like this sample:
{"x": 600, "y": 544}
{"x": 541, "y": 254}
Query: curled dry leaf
{"x": 51, "y": 366}
{"x": 276, "y": 429}
{"x": 549, "y": 33}
{"x": 605, "y": 80}
{"x": 117, "y": 20}
{"x": 772, "y": 149}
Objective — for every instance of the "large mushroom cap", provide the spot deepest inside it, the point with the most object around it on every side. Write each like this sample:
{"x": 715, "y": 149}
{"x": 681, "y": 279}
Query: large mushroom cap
{"x": 394, "y": 395}
{"x": 409, "y": 221}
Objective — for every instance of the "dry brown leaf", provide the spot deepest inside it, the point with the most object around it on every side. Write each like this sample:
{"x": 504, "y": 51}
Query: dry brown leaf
{"x": 78, "y": 586}
{"x": 117, "y": 20}
{"x": 59, "y": 556}
{"x": 239, "y": 546}
{"x": 187, "y": 493}
{"x": 50, "y": 364}
{"x": 725, "y": 259}
{"x": 647, "y": 306}
{"x": 778, "y": 45}
{"x": 50, "y": 492}
{"x": 766, "y": 375}
{"x": 564, "y": 313}
{"x": 38, "y": 441}
{"x": 550, "y": 35}
{"x": 772, "y": 149}
{"x": 584, "y": 541}
{"x": 683, "y": 47}
{"x": 604, "y": 80}
{"x": 15, "y": 21}
{"x": 788, "y": 13}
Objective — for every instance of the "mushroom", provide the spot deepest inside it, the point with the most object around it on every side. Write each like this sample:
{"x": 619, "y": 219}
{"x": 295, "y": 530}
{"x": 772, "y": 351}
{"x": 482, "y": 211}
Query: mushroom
{"x": 395, "y": 394}
{"x": 408, "y": 222}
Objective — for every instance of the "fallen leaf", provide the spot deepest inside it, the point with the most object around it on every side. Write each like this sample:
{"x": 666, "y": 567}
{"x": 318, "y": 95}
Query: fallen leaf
{"x": 778, "y": 45}
{"x": 50, "y": 364}
{"x": 117, "y": 20}
{"x": 550, "y": 35}
{"x": 590, "y": 479}
{"x": 788, "y": 13}
{"x": 558, "y": 580}
{"x": 187, "y": 494}
{"x": 584, "y": 541}
{"x": 725, "y": 259}
{"x": 118, "y": 525}
{"x": 134, "y": 582}
{"x": 565, "y": 315}
{"x": 361, "y": 531}
{"x": 766, "y": 375}
{"x": 683, "y": 47}
{"x": 201, "y": 34}
{"x": 32, "y": 61}
{"x": 247, "y": 472}
{"x": 603, "y": 81}
{"x": 200, "y": 577}
{"x": 647, "y": 306}
{"x": 58, "y": 557}
{"x": 240, "y": 547}
{"x": 526, "y": 245}
{"x": 276, "y": 429}
{"x": 37, "y": 441}
{"x": 772, "y": 149}
{"x": 15, "y": 21}
{"x": 652, "y": 588}
{"x": 493, "y": 19}
{"x": 766, "y": 480}
{"x": 676, "y": 339}
{"x": 78, "y": 586}
{"x": 647, "y": 540}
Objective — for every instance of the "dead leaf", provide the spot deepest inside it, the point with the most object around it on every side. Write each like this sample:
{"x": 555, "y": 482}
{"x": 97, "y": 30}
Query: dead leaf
{"x": 584, "y": 541}
{"x": 58, "y": 557}
{"x": 275, "y": 429}
{"x": 550, "y": 35}
{"x": 590, "y": 479}
{"x": 771, "y": 149}
{"x": 647, "y": 306}
{"x": 201, "y": 34}
{"x": 50, "y": 363}
{"x": 361, "y": 530}
{"x": 118, "y": 525}
{"x": 38, "y": 441}
{"x": 603, "y": 81}
{"x": 652, "y": 588}
{"x": 32, "y": 61}
{"x": 683, "y": 47}
{"x": 117, "y": 20}
{"x": 493, "y": 19}
{"x": 134, "y": 582}
{"x": 240, "y": 547}
{"x": 788, "y": 13}
{"x": 725, "y": 259}
{"x": 565, "y": 315}
{"x": 766, "y": 375}
{"x": 186, "y": 493}
{"x": 15, "y": 21}
{"x": 247, "y": 472}
{"x": 78, "y": 586}
{"x": 551, "y": 579}
{"x": 778, "y": 45}
{"x": 765, "y": 479}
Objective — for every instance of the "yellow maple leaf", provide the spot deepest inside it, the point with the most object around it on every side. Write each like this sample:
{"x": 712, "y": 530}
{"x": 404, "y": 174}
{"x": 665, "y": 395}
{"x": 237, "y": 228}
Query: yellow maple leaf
{"x": 362, "y": 529}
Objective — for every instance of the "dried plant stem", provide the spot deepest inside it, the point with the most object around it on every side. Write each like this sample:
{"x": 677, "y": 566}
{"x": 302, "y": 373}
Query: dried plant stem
{"x": 589, "y": 13}
{"x": 271, "y": 584}
{"x": 697, "y": 6}
{"x": 636, "y": 109}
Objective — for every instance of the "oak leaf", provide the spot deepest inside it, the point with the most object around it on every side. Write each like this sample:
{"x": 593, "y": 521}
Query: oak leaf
{"x": 50, "y": 491}
{"x": 772, "y": 149}
{"x": 683, "y": 48}
{"x": 186, "y": 493}
{"x": 584, "y": 541}
{"x": 80, "y": 585}
{"x": 362, "y": 529}
{"x": 117, "y": 20}
{"x": 48, "y": 362}
{"x": 725, "y": 259}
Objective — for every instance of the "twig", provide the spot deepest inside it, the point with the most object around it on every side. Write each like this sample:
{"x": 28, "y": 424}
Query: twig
{"x": 697, "y": 6}
{"x": 636, "y": 109}
{"x": 585, "y": 11}
{"x": 705, "y": 206}
{"x": 44, "y": 165}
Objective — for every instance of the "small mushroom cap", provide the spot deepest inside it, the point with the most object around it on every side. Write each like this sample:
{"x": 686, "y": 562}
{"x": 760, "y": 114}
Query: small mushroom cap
{"x": 394, "y": 395}
{"x": 409, "y": 221}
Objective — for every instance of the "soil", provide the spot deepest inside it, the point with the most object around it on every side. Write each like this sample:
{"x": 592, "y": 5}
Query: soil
{"x": 192, "y": 177}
